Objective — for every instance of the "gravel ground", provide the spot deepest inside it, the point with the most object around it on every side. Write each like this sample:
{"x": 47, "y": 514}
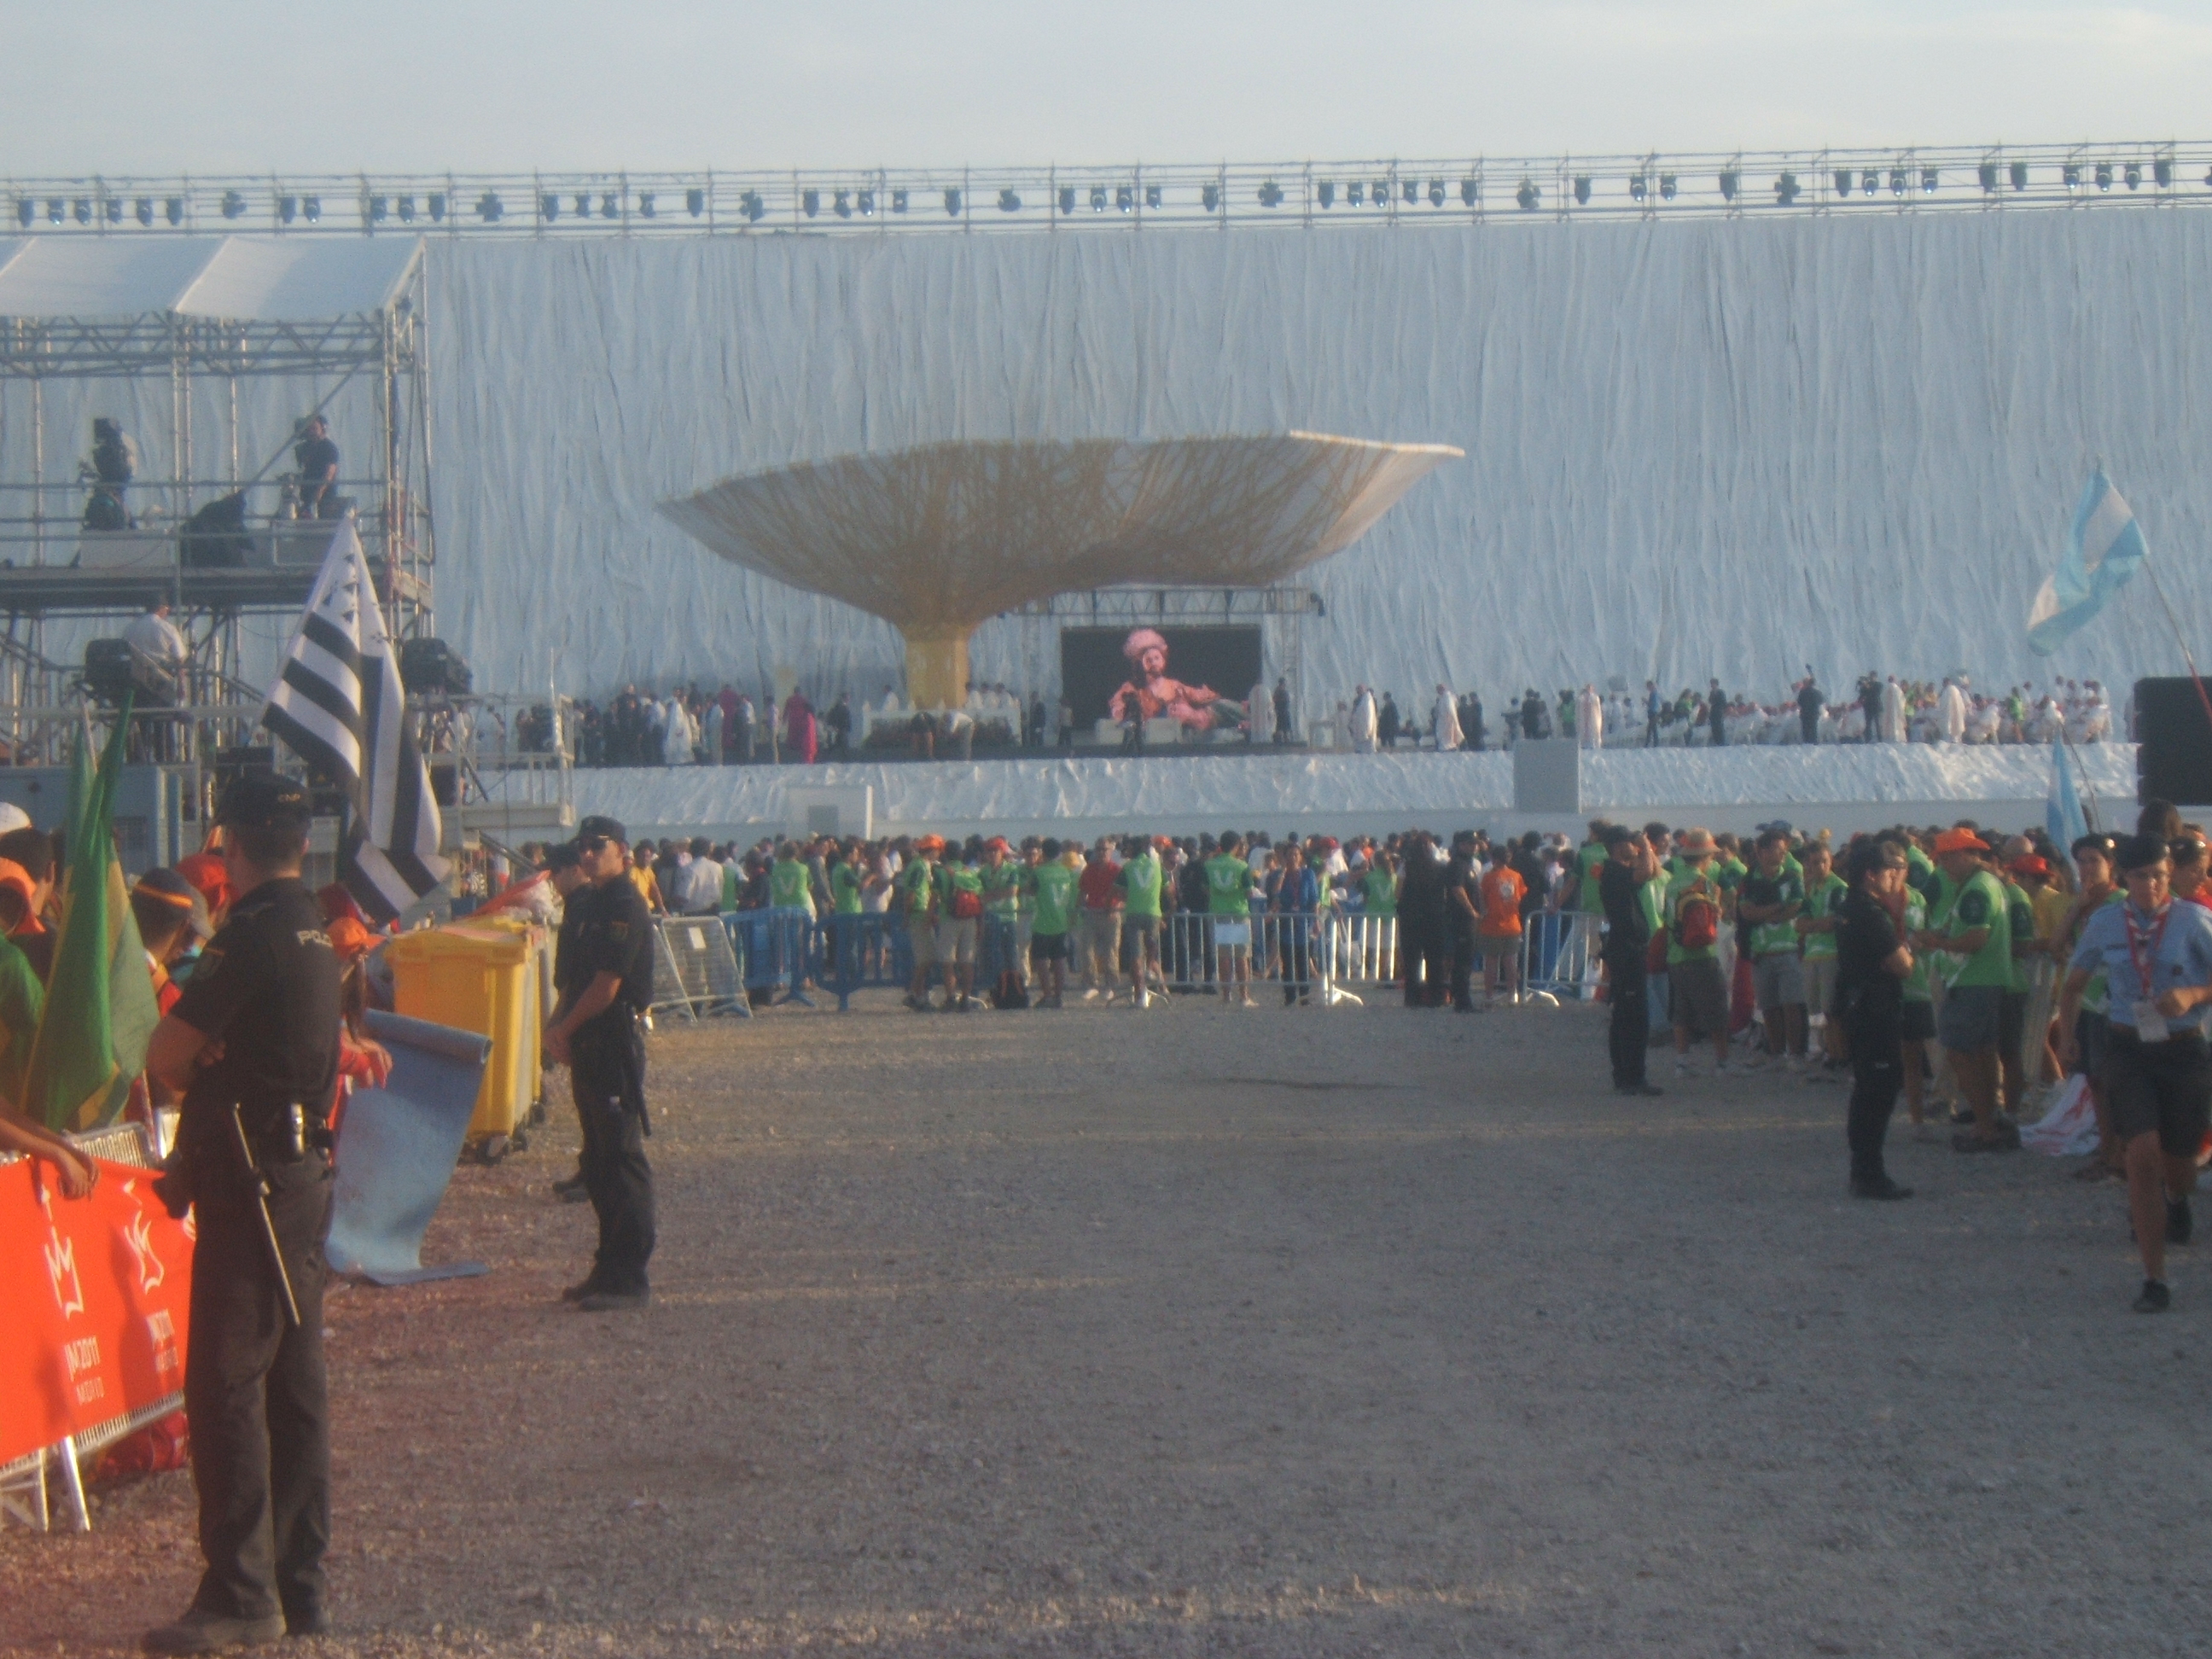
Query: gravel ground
{"x": 1271, "y": 1333}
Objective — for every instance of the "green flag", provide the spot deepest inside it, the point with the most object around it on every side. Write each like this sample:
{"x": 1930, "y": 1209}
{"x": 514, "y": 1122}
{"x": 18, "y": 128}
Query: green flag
{"x": 100, "y": 1010}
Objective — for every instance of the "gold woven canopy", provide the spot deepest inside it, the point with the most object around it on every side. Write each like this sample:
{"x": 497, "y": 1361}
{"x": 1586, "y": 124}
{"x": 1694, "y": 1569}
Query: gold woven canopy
{"x": 938, "y": 538}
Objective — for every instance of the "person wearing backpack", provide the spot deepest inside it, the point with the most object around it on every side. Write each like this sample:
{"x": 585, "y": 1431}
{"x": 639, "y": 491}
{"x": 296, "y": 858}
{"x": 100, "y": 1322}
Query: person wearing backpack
{"x": 1700, "y": 994}
{"x": 921, "y": 901}
{"x": 956, "y": 932}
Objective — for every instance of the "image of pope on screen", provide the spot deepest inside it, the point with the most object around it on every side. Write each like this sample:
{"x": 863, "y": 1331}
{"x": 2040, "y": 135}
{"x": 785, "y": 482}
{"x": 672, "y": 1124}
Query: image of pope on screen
{"x": 1150, "y": 693}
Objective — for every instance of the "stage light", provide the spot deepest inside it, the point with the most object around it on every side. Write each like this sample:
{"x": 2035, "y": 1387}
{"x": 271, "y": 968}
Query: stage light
{"x": 583, "y": 205}
{"x": 2071, "y": 176}
{"x": 1379, "y": 193}
{"x": 1325, "y": 193}
{"x": 864, "y": 200}
{"x": 1897, "y": 181}
{"x": 2104, "y": 175}
{"x": 898, "y": 201}
{"x": 1125, "y": 199}
{"x": 2133, "y": 175}
{"x": 1436, "y": 192}
{"x": 1355, "y": 194}
{"x": 234, "y": 205}
{"x": 438, "y": 208}
{"x": 1844, "y": 181}
{"x": 1527, "y": 196}
{"x": 842, "y": 205}
{"x": 1098, "y": 198}
{"x": 2161, "y": 173}
{"x": 1468, "y": 190}
{"x": 57, "y": 209}
{"x": 113, "y": 206}
{"x": 145, "y": 210}
{"x": 1636, "y": 190}
{"x": 407, "y": 209}
{"x": 1271, "y": 194}
{"x": 173, "y": 210}
{"x": 952, "y": 204}
{"x": 549, "y": 207}
{"x": 1988, "y": 177}
{"x": 1928, "y": 181}
{"x": 645, "y": 204}
{"x": 490, "y": 207}
{"x": 81, "y": 210}
{"x": 1786, "y": 190}
{"x": 27, "y": 210}
{"x": 1008, "y": 201}
{"x": 1411, "y": 188}
{"x": 2020, "y": 175}
{"x": 1209, "y": 196}
{"x": 288, "y": 209}
{"x": 810, "y": 202}
{"x": 1665, "y": 187}
{"x": 1870, "y": 181}
{"x": 750, "y": 208}
{"x": 1582, "y": 190}
{"x": 375, "y": 209}
{"x": 1151, "y": 196}
{"x": 1729, "y": 181}
{"x": 1066, "y": 200}
{"x": 610, "y": 205}
{"x": 695, "y": 202}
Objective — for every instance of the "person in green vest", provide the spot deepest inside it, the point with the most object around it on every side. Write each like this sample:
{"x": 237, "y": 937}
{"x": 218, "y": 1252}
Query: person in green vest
{"x": 1916, "y": 1026}
{"x": 1977, "y": 934}
{"x": 921, "y": 901}
{"x": 1228, "y": 908}
{"x": 1590, "y": 861}
{"x": 1825, "y": 893}
{"x": 956, "y": 928}
{"x": 1050, "y": 888}
{"x": 1000, "y": 949}
{"x": 1769, "y": 903}
{"x": 2011, "y": 1019}
{"x": 1140, "y": 882}
{"x": 1696, "y": 990}
{"x": 1379, "y": 896}
{"x": 847, "y": 879}
{"x": 790, "y": 883}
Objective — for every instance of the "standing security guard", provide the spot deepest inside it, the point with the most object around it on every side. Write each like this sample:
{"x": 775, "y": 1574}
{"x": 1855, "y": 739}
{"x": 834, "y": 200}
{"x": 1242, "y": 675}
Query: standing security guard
{"x": 252, "y": 1046}
{"x": 604, "y": 977}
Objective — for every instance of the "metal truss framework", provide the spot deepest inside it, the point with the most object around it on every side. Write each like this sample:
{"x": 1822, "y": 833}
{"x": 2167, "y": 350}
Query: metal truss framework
{"x": 1396, "y": 191}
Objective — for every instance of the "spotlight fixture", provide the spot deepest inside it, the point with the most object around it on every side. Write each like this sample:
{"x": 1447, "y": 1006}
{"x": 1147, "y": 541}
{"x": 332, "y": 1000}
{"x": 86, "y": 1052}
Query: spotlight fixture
{"x": 2020, "y": 175}
{"x": 2104, "y": 175}
{"x": 1786, "y": 190}
{"x": 2133, "y": 175}
{"x": 1355, "y": 194}
{"x": 145, "y": 211}
{"x": 1436, "y": 192}
{"x": 1325, "y": 193}
{"x": 1151, "y": 196}
{"x": 2071, "y": 176}
{"x": 583, "y": 205}
{"x": 1271, "y": 194}
{"x": 645, "y": 200}
{"x": 1582, "y": 190}
{"x": 1469, "y": 191}
{"x": 864, "y": 200}
{"x": 2161, "y": 173}
{"x": 376, "y": 209}
{"x": 750, "y": 208}
{"x": 1527, "y": 196}
{"x": 1844, "y": 181}
{"x": 1008, "y": 201}
{"x": 1636, "y": 189}
{"x": 1897, "y": 181}
{"x": 407, "y": 209}
{"x": 610, "y": 205}
{"x": 952, "y": 203}
{"x": 810, "y": 202}
{"x": 898, "y": 201}
{"x": 234, "y": 205}
{"x": 111, "y": 208}
{"x": 1730, "y": 181}
{"x": 288, "y": 209}
{"x": 173, "y": 210}
{"x": 1098, "y": 198}
{"x": 1412, "y": 191}
{"x": 438, "y": 207}
{"x": 311, "y": 208}
{"x": 490, "y": 207}
{"x": 695, "y": 202}
{"x": 81, "y": 209}
{"x": 1125, "y": 199}
{"x": 1665, "y": 187}
{"x": 1989, "y": 178}
{"x": 841, "y": 204}
{"x": 1928, "y": 181}
{"x": 1066, "y": 200}
{"x": 57, "y": 209}
{"x": 1870, "y": 182}
{"x": 1210, "y": 196}
{"x": 27, "y": 211}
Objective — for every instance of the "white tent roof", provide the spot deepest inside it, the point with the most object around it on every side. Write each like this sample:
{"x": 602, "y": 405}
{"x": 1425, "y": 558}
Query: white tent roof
{"x": 246, "y": 279}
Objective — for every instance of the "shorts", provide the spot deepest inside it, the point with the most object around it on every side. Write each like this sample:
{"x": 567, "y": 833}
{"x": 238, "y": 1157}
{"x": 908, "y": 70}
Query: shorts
{"x": 2092, "y": 1036}
{"x": 1820, "y": 984}
{"x": 2012, "y": 1023}
{"x": 1048, "y": 947}
{"x": 1700, "y": 997}
{"x": 1915, "y": 1021}
{"x": 955, "y": 940}
{"x": 921, "y": 933}
{"x": 1140, "y": 939}
{"x": 2162, "y": 1087}
{"x": 1777, "y": 979}
{"x": 1970, "y": 1018}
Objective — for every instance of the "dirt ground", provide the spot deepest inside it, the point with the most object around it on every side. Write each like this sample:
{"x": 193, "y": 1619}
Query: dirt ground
{"x": 1204, "y": 1332}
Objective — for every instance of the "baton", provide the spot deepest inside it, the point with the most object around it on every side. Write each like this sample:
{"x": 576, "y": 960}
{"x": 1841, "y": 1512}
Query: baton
{"x": 268, "y": 1227}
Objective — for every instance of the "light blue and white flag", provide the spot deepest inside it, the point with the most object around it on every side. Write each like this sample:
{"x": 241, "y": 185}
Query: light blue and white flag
{"x": 2103, "y": 548}
{"x": 2062, "y": 807}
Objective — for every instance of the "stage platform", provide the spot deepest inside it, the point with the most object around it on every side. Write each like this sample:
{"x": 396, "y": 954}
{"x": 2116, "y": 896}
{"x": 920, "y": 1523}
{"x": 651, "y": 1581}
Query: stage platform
{"x": 59, "y": 590}
{"x": 1844, "y": 788}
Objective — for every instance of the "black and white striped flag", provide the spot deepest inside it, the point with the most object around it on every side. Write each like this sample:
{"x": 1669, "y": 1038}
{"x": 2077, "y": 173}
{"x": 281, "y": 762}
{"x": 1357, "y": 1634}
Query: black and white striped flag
{"x": 339, "y": 704}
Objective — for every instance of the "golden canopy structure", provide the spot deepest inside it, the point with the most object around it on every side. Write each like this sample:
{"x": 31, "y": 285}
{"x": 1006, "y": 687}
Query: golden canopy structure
{"x": 936, "y": 539}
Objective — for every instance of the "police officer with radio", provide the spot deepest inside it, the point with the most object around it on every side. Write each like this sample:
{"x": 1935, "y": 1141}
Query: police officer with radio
{"x": 605, "y": 978}
{"x": 253, "y": 1047}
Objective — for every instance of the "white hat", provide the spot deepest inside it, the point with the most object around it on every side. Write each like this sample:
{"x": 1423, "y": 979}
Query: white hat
{"x": 12, "y": 817}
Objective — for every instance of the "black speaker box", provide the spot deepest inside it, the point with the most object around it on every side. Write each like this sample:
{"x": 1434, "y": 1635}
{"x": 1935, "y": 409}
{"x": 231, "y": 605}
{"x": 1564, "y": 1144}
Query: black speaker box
{"x": 216, "y": 538}
{"x": 2173, "y": 752}
{"x": 432, "y": 665}
{"x": 107, "y": 669}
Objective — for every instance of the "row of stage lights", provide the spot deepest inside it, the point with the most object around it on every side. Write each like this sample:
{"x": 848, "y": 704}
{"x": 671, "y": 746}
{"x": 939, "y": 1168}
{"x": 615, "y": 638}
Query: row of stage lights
{"x": 377, "y": 209}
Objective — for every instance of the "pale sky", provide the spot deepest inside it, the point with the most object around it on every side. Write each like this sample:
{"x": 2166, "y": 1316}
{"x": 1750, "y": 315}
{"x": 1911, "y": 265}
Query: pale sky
{"x": 156, "y": 87}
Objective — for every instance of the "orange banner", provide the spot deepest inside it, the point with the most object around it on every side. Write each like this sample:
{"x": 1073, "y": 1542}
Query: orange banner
{"x": 97, "y": 1290}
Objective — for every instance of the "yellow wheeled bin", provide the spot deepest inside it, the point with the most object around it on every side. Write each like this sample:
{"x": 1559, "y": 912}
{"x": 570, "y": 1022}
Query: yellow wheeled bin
{"x": 480, "y": 976}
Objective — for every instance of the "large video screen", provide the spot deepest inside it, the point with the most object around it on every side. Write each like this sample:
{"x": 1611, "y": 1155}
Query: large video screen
{"x": 1093, "y": 668}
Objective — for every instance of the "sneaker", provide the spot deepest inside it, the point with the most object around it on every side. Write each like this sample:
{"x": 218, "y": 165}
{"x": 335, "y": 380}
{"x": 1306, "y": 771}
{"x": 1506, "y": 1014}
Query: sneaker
{"x": 2155, "y": 1297}
{"x": 1880, "y": 1188}
{"x": 1683, "y": 1069}
{"x": 211, "y": 1632}
{"x": 2179, "y": 1222}
{"x": 308, "y": 1621}
{"x": 579, "y": 1289}
{"x": 1090, "y": 995}
{"x": 572, "y": 1190}
{"x": 614, "y": 1301}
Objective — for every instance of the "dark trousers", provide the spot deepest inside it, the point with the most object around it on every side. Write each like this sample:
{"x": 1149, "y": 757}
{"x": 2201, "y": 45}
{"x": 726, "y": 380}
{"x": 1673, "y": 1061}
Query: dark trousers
{"x": 1629, "y": 1035}
{"x": 1720, "y": 735}
{"x": 608, "y": 1070}
{"x": 1808, "y": 725}
{"x": 1297, "y": 958}
{"x": 1462, "y": 970}
{"x": 1425, "y": 961}
{"x": 1877, "y": 1074}
{"x": 255, "y": 1391}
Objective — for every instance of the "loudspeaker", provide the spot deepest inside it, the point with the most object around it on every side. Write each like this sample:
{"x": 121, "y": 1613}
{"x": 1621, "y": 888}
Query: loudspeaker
{"x": 107, "y": 669}
{"x": 432, "y": 665}
{"x": 2173, "y": 752}
{"x": 214, "y": 537}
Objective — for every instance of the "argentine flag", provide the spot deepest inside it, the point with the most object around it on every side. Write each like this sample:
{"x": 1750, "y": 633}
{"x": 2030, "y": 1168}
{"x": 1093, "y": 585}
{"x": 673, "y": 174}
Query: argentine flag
{"x": 2103, "y": 548}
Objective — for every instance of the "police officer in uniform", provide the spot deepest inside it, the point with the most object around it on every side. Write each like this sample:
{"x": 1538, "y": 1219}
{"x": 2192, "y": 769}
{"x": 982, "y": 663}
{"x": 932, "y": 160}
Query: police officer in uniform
{"x": 605, "y": 978}
{"x": 252, "y": 1046}
{"x": 566, "y": 880}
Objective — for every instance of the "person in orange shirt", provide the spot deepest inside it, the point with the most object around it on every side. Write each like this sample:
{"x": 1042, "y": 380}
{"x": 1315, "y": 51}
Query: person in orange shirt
{"x": 1500, "y": 929}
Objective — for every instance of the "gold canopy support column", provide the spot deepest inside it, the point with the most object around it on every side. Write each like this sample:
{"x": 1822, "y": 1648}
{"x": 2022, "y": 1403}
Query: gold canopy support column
{"x": 937, "y": 669}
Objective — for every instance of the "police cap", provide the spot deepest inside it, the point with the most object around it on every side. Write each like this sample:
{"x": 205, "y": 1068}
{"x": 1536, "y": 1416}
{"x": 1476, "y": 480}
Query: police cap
{"x": 600, "y": 828}
{"x": 265, "y": 800}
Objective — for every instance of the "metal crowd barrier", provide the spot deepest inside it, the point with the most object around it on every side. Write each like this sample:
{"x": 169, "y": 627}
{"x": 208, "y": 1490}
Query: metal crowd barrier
{"x": 867, "y": 951}
{"x": 698, "y": 969}
{"x": 777, "y": 948}
{"x": 1559, "y": 953}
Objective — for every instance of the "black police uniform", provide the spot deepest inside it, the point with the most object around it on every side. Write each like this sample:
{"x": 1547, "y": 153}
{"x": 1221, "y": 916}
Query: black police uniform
{"x": 612, "y": 933}
{"x": 267, "y": 989}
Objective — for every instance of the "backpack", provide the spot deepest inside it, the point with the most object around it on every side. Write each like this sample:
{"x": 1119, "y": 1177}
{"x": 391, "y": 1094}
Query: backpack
{"x": 966, "y": 905}
{"x": 1699, "y": 919}
{"x": 1010, "y": 991}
